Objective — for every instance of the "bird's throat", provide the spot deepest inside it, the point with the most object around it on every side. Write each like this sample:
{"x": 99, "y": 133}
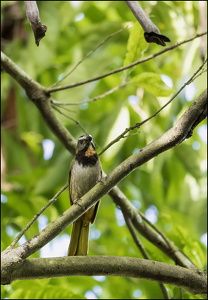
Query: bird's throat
{"x": 90, "y": 151}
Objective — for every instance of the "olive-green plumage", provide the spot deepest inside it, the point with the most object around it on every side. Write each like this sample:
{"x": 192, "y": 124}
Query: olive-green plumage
{"x": 85, "y": 173}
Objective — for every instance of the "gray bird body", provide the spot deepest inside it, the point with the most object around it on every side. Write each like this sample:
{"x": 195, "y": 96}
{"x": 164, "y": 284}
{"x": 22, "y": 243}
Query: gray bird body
{"x": 83, "y": 178}
{"x": 85, "y": 172}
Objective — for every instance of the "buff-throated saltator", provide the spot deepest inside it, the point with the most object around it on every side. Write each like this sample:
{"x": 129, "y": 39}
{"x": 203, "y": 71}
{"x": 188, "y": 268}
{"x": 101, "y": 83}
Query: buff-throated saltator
{"x": 85, "y": 172}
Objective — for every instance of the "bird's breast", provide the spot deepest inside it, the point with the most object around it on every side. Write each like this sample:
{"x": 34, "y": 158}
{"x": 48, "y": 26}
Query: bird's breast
{"x": 83, "y": 178}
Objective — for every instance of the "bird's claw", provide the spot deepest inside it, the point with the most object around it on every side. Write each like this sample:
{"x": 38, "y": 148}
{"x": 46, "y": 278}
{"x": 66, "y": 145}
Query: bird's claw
{"x": 76, "y": 201}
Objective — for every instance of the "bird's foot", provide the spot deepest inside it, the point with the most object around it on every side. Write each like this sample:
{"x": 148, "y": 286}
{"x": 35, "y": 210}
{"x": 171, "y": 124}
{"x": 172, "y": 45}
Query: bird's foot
{"x": 77, "y": 201}
{"x": 100, "y": 179}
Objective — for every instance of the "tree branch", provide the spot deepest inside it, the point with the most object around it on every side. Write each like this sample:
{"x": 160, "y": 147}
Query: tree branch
{"x": 90, "y": 100}
{"x": 33, "y": 17}
{"x": 152, "y": 234}
{"x": 88, "y": 54}
{"x": 109, "y": 266}
{"x": 152, "y": 32}
{"x": 52, "y": 90}
{"x": 70, "y": 118}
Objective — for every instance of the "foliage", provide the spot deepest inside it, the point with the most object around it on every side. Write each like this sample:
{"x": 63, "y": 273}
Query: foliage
{"x": 171, "y": 186}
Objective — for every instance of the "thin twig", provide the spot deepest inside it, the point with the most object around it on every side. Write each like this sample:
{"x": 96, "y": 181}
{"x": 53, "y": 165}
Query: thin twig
{"x": 132, "y": 134}
{"x": 143, "y": 251}
{"x": 171, "y": 245}
{"x": 63, "y": 107}
{"x": 52, "y": 90}
{"x": 92, "y": 99}
{"x": 75, "y": 121}
{"x": 156, "y": 229}
{"x": 51, "y": 201}
{"x": 88, "y": 54}
{"x": 164, "y": 291}
{"x": 202, "y": 72}
{"x": 138, "y": 125}
{"x": 135, "y": 237}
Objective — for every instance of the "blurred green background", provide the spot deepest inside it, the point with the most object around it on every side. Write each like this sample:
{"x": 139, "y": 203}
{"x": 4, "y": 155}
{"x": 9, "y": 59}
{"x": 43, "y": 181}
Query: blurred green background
{"x": 170, "y": 189}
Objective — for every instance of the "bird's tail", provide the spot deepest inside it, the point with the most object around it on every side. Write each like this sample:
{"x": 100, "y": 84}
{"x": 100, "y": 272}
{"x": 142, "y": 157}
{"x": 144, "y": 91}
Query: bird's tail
{"x": 79, "y": 238}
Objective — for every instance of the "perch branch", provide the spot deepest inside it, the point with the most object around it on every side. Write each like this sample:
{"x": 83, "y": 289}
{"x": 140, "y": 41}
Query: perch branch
{"x": 34, "y": 268}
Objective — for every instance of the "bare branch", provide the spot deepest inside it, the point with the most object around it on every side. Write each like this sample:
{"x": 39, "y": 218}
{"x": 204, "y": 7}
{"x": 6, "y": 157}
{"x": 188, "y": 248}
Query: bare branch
{"x": 88, "y": 54}
{"x": 52, "y": 90}
{"x": 70, "y": 118}
{"x": 142, "y": 250}
{"x": 135, "y": 237}
{"x": 152, "y": 32}
{"x": 33, "y": 17}
{"x": 153, "y": 236}
{"x": 90, "y": 100}
{"x": 194, "y": 282}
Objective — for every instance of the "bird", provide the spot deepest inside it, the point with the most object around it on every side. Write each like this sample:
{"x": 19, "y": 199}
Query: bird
{"x": 84, "y": 173}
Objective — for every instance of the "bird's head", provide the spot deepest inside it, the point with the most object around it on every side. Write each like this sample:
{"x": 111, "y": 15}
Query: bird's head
{"x": 85, "y": 143}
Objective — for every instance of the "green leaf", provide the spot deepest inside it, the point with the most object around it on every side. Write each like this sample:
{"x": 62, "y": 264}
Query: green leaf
{"x": 153, "y": 83}
{"x": 136, "y": 44}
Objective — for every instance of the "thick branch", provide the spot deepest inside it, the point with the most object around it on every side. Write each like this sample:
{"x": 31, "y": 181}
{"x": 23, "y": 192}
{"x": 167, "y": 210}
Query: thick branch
{"x": 110, "y": 266}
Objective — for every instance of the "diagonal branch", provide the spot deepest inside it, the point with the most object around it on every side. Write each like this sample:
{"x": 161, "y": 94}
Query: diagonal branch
{"x": 90, "y": 100}
{"x": 70, "y": 118}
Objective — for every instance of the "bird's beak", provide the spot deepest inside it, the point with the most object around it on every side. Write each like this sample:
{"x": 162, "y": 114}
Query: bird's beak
{"x": 89, "y": 138}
